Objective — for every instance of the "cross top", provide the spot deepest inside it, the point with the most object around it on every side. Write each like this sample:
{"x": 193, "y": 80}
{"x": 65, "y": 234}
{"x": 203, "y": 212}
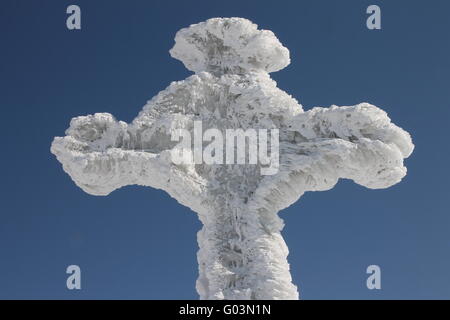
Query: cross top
{"x": 242, "y": 253}
{"x": 229, "y": 45}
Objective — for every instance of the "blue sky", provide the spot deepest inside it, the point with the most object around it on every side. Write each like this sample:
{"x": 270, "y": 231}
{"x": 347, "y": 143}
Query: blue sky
{"x": 138, "y": 243}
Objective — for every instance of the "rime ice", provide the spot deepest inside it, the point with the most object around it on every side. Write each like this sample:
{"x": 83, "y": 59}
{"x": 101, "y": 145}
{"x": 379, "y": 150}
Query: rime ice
{"x": 242, "y": 253}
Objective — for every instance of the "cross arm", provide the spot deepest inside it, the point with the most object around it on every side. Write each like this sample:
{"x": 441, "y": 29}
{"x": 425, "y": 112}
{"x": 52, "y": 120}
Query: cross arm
{"x": 101, "y": 154}
{"x": 357, "y": 142}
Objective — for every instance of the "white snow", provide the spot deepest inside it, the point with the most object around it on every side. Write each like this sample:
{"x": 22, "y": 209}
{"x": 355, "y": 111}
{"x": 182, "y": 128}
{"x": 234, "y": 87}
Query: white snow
{"x": 242, "y": 253}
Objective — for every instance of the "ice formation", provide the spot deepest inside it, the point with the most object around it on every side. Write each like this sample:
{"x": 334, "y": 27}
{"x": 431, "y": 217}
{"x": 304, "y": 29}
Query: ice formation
{"x": 242, "y": 254}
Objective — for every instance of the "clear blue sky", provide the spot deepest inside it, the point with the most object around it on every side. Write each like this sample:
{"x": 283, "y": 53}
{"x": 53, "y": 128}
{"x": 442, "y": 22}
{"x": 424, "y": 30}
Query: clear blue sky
{"x": 138, "y": 242}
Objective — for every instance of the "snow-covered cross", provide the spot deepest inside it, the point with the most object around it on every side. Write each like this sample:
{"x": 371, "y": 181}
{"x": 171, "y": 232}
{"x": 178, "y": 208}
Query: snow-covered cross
{"x": 242, "y": 253}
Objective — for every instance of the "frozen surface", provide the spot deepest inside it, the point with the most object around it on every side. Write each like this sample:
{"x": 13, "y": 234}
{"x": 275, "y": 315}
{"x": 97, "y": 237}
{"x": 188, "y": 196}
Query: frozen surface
{"x": 242, "y": 253}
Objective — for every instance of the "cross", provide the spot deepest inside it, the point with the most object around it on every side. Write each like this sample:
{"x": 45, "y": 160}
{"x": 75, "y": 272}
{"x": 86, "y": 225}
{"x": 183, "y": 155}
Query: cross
{"x": 242, "y": 254}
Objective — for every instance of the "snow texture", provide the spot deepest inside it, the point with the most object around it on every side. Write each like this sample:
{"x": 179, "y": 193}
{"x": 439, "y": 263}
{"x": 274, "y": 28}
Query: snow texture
{"x": 242, "y": 253}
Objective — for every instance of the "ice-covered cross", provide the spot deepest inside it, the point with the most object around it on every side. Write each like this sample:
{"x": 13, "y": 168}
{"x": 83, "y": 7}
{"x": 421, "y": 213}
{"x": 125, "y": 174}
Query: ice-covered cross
{"x": 242, "y": 253}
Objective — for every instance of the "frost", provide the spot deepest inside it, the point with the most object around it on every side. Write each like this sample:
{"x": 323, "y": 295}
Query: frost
{"x": 242, "y": 253}
{"x": 229, "y": 45}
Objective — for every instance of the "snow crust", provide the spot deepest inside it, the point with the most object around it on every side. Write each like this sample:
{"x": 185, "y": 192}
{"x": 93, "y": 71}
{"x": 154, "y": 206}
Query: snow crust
{"x": 242, "y": 253}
